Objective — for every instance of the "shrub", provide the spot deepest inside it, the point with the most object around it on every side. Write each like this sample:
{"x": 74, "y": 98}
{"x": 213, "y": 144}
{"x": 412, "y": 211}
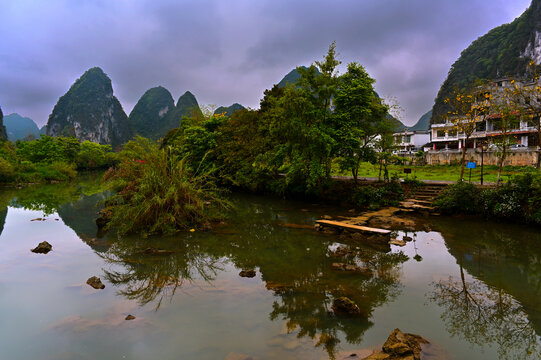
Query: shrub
{"x": 460, "y": 198}
{"x": 6, "y": 171}
{"x": 156, "y": 193}
{"x": 373, "y": 196}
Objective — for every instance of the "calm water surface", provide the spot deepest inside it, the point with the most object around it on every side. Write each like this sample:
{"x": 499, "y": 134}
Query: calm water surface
{"x": 472, "y": 289}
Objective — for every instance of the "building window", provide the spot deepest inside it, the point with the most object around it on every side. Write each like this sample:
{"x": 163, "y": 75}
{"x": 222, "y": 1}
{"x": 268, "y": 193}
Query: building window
{"x": 440, "y": 134}
{"x": 408, "y": 138}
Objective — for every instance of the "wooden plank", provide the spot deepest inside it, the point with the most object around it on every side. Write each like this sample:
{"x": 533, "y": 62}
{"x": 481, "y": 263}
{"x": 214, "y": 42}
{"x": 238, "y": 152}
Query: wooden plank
{"x": 342, "y": 225}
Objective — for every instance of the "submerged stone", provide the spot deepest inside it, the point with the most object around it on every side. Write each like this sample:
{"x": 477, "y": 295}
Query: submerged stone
{"x": 397, "y": 242}
{"x": 345, "y": 306}
{"x": 247, "y": 273}
{"x": 43, "y": 248}
{"x": 130, "y": 317}
{"x": 95, "y": 282}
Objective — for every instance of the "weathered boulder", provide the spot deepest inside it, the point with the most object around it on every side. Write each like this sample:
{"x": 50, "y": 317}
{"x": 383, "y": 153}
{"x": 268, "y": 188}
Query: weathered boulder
{"x": 42, "y": 248}
{"x": 397, "y": 242}
{"x": 130, "y": 317}
{"x": 247, "y": 273}
{"x": 104, "y": 216}
{"x": 238, "y": 356}
{"x": 345, "y": 306}
{"x": 400, "y": 346}
{"x": 95, "y": 282}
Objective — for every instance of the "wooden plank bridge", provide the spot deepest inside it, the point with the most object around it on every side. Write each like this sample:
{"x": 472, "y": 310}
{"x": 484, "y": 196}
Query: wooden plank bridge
{"x": 351, "y": 227}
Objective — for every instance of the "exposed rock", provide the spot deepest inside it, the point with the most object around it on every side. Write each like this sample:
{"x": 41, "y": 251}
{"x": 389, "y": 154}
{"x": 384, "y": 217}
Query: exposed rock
{"x": 397, "y": 242}
{"x": 153, "y": 251}
{"x": 407, "y": 238}
{"x": 42, "y": 248}
{"x": 297, "y": 226}
{"x": 400, "y": 346}
{"x": 247, "y": 273}
{"x": 237, "y": 356}
{"x": 345, "y": 306}
{"x": 351, "y": 268}
{"x": 38, "y": 219}
{"x": 104, "y": 216}
{"x": 341, "y": 251}
{"x": 278, "y": 287}
{"x": 95, "y": 282}
{"x": 391, "y": 222}
{"x": 130, "y": 317}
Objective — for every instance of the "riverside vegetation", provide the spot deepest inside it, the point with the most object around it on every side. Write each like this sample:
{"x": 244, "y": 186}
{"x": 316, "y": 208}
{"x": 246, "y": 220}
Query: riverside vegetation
{"x": 303, "y": 133}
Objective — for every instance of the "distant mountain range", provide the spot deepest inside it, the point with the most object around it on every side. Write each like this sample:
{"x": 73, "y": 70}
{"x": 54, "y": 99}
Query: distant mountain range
{"x": 423, "y": 124}
{"x": 20, "y": 128}
{"x": 228, "y": 111}
{"x": 155, "y": 113}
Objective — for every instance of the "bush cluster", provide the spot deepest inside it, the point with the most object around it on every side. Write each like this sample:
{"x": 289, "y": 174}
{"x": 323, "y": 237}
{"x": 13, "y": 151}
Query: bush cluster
{"x": 51, "y": 159}
{"x": 379, "y": 195}
{"x": 519, "y": 199}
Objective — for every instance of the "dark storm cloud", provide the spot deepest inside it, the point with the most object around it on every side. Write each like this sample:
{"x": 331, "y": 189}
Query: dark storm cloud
{"x": 230, "y": 51}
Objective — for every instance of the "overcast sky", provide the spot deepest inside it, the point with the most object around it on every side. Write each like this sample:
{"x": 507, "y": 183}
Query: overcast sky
{"x": 232, "y": 50}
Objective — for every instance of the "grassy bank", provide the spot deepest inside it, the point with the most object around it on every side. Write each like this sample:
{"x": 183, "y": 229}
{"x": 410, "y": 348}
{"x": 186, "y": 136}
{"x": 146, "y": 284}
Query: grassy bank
{"x": 441, "y": 172}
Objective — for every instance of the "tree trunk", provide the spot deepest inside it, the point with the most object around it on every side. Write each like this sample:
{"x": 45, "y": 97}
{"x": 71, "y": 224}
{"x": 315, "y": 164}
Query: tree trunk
{"x": 464, "y": 149}
{"x": 538, "y": 164}
{"x": 500, "y": 165}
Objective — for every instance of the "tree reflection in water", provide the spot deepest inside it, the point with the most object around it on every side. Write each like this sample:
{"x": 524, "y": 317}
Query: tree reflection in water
{"x": 481, "y": 309}
{"x": 147, "y": 275}
{"x": 305, "y": 303}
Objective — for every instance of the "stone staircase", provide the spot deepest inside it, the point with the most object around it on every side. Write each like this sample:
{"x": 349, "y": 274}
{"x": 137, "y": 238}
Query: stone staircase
{"x": 424, "y": 196}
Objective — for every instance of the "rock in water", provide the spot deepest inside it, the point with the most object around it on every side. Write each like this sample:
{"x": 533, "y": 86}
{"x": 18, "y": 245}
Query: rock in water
{"x": 247, "y": 273}
{"x": 130, "y": 317}
{"x": 95, "y": 282}
{"x": 90, "y": 111}
{"x": 400, "y": 346}
{"x": 43, "y": 248}
{"x": 345, "y": 306}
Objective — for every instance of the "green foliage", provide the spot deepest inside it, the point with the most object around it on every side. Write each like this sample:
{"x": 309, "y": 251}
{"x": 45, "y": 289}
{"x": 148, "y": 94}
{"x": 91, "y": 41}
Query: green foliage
{"x": 376, "y": 196}
{"x": 156, "y": 193}
{"x": 519, "y": 199}
{"x": 498, "y": 53}
{"x": 459, "y": 198}
{"x": 49, "y": 149}
{"x": 95, "y": 156}
{"x": 6, "y": 170}
{"x": 358, "y": 115}
{"x": 52, "y": 159}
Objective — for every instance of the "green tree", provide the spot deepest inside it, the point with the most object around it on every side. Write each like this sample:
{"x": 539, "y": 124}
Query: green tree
{"x": 358, "y": 117}
{"x": 302, "y": 119}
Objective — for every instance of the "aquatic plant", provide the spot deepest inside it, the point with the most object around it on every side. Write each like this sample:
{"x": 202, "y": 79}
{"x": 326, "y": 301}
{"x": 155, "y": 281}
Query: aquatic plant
{"x": 156, "y": 193}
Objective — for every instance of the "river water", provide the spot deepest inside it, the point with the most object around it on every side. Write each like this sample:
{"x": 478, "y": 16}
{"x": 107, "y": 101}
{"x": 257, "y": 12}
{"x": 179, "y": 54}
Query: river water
{"x": 472, "y": 288}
